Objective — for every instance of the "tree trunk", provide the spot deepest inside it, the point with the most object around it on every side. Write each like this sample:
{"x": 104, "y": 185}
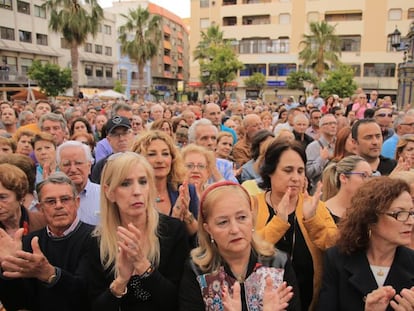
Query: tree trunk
{"x": 141, "y": 81}
{"x": 74, "y": 55}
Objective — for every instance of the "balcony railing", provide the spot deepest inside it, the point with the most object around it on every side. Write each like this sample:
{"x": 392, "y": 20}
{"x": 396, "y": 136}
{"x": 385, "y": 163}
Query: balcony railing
{"x": 100, "y": 81}
{"x": 7, "y": 76}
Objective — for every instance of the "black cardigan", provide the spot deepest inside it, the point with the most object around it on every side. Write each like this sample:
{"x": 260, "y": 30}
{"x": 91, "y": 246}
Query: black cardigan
{"x": 160, "y": 288}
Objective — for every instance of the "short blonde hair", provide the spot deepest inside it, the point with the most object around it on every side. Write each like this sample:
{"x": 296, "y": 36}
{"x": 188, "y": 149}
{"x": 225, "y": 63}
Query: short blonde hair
{"x": 208, "y": 154}
{"x": 114, "y": 172}
{"x": 207, "y": 255}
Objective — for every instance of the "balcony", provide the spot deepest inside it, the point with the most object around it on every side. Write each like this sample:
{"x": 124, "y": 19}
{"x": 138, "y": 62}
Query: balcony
{"x": 100, "y": 82}
{"x": 13, "y": 77}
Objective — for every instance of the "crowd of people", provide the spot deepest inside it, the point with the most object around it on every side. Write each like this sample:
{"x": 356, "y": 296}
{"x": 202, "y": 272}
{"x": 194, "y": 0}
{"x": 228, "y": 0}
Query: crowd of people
{"x": 207, "y": 205}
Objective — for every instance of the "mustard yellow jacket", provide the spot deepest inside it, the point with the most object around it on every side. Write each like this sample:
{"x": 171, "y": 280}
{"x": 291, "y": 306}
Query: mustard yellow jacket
{"x": 320, "y": 232}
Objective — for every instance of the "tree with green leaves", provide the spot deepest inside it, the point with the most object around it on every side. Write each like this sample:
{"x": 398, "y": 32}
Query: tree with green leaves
{"x": 217, "y": 59}
{"x": 256, "y": 81}
{"x": 339, "y": 81}
{"x": 75, "y": 20}
{"x": 118, "y": 87}
{"x": 321, "y": 48}
{"x": 139, "y": 38}
{"x": 212, "y": 37}
{"x": 296, "y": 79}
{"x": 51, "y": 79}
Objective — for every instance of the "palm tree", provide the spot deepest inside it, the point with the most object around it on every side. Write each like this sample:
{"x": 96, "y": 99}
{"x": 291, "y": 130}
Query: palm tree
{"x": 212, "y": 37}
{"x": 320, "y": 47}
{"x": 75, "y": 21}
{"x": 145, "y": 32}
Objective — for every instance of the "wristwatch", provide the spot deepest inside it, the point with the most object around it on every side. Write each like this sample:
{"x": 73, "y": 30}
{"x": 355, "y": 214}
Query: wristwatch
{"x": 52, "y": 278}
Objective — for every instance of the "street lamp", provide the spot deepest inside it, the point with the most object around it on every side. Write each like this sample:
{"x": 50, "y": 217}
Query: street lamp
{"x": 405, "y": 93}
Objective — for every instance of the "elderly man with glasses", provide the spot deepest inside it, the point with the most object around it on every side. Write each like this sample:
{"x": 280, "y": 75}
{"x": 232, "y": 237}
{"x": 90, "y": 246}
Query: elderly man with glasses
{"x": 43, "y": 271}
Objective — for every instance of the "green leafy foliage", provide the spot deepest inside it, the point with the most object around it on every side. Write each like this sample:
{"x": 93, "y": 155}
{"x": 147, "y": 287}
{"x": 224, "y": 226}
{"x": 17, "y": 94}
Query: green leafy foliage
{"x": 339, "y": 81}
{"x": 75, "y": 20}
{"x": 118, "y": 87}
{"x": 139, "y": 38}
{"x": 321, "y": 48}
{"x": 51, "y": 79}
{"x": 256, "y": 81}
{"x": 217, "y": 59}
{"x": 295, "y": 79}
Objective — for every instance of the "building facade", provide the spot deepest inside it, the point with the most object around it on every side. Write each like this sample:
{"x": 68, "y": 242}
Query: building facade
{"x": 267, "y": 34}
{"x": 25, "y": 36}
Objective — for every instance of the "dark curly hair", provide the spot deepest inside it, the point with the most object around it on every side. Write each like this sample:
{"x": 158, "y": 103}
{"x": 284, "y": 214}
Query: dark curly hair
{"x": 272, "y": 157}
{"x": 373, "y": 198}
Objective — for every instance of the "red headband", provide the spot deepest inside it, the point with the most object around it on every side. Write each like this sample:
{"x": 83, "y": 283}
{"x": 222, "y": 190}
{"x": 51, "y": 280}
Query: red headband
{"x": 215, "y": 186}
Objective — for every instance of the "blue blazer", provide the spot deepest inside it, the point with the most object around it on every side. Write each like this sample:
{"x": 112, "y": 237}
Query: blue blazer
{"x": 173, "y": 194}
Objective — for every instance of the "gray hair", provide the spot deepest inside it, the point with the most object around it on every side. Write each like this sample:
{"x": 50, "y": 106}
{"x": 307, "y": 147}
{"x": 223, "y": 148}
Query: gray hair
{"x": 193, "y": 128}
{"x": 120, "y": 106}
{"x": 56, "y": 178}
{"x": 77, "y": 144}
{"x": 324, "y": 117}
{"x": 23, "y": 115}
{"x": 52, "y": 117}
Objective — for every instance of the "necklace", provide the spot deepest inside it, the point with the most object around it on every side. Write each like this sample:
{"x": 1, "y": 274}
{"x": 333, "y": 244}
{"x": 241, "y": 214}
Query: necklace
{"x": 159, "y": 199}
{"x": 241, "y": 277}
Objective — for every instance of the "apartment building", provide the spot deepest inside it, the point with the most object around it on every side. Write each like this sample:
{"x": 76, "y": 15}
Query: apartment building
{"x": 25, "y": 36}
{"x": 170, "y": 66}
{"x": 266, "y": 34}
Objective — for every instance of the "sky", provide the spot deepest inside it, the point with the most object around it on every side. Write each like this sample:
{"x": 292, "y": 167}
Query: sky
{"x": 178, "y": 7}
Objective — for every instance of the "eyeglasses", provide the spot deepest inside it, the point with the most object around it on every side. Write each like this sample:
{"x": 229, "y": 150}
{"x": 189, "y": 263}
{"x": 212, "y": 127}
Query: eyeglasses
{"x": 52, "y": 202}
{"x": 330, "y": 123}
{"x": 120, "y": 134}
{"x": 67, "y": 164}
{"x": 382, "y": 115}
{"x": 364, "y": 175}
{"x": 136, "y": 123}
{"x": 401, "y": 216}
{"x": 362, "y": 97}
{"x": 192, "y": 166}
{"x": 408, "y": 124}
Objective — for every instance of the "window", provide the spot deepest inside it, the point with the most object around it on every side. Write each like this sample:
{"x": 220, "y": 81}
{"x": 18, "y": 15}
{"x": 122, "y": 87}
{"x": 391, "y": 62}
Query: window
{"x": 250, "y": 69}
{"x": 64, "y": 44}
{"x": 284, "y": 19}
{"x": 98, "y": 49}
{"x": 107, "y": 29}
{"x": 356, "y": 68}
{"x": 6, "y": 4}
{"x": 98, "y": 71}
{"x": 25, "y": 64}
{"x": 395, "y": 14}
{"x": 229, "y": 21}
{"x": 410, "y": 14}
{"x": 204, "y": 23}
{"x": 39, "y": 11}
{"x": 88, "y": 70}
{"x": 350, "y": 43}
{"x": 108, "y": 51}
{"x": 7, "y": 33}
{"x": 88, "y": 47}
{"x": 108, "y": 72}
{"x": 25, "y": 36}
{"x": 41, "y": 39}
{"x": 11, "y": 62}
{"x": 343, "y": 17}
{"x": 23, "y": 7}
{"x": 204, "y": 3}
{"x": 281, "y": 69}
{"x": 379, "y": 70}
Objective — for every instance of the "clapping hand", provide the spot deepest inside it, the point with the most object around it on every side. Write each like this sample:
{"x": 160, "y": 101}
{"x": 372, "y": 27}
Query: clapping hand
{"x": 379, "y": 299}
{"x": 310, "y": 203}
{"x": 9, "y": 245}
{"x": 28, "y": 265}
